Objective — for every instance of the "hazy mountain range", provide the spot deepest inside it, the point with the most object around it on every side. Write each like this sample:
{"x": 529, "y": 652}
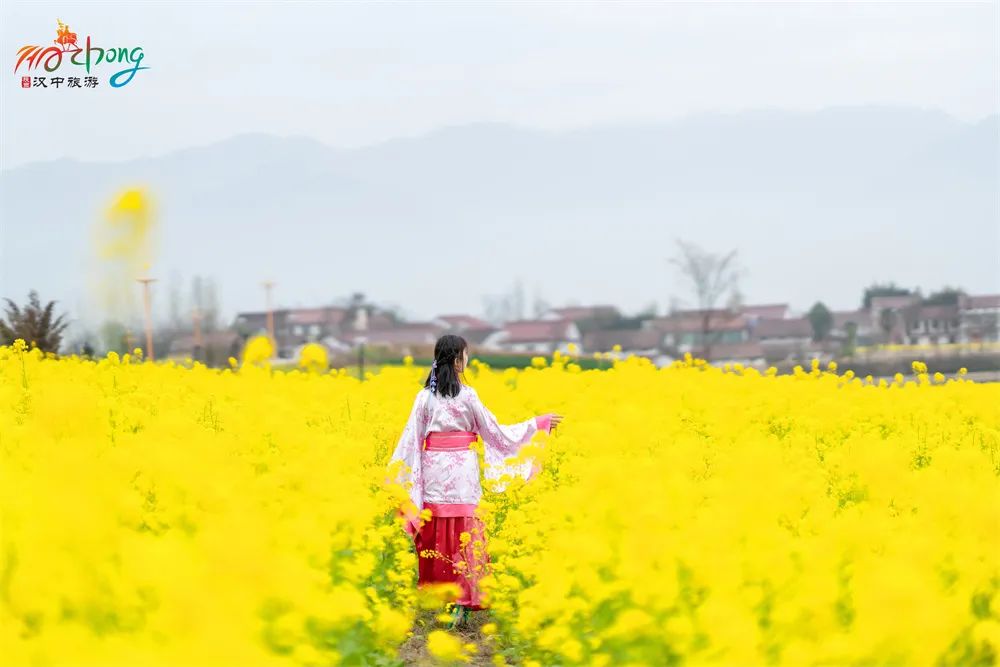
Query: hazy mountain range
{"x": 818, "y": 204}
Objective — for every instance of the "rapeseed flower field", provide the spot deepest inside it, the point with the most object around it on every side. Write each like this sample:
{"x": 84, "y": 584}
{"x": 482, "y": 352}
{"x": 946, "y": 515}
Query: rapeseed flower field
{"x": 171, "y": 514}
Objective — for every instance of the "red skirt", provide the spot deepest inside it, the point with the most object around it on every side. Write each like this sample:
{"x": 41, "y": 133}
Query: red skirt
{"x": 443, "y": 558}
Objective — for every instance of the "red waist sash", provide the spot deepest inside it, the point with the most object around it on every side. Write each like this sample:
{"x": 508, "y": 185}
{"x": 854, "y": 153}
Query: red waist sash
{"x": 449, "y": 440}
{"x": 449, "y": 510}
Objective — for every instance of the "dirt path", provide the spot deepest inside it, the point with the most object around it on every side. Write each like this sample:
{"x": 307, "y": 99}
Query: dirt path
{"x": 414, "y": 650}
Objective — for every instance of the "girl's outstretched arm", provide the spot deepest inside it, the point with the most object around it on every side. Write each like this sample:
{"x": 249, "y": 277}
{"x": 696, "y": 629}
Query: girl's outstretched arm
{"x": 502, "y": 441}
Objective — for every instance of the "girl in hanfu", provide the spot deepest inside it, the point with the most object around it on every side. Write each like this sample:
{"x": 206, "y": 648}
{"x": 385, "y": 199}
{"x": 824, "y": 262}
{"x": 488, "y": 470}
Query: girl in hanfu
{"x": 442, "y": 472}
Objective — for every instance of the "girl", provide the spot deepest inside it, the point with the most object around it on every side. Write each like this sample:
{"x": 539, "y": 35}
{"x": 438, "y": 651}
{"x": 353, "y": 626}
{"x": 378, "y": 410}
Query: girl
{"x": 443, "y": 473}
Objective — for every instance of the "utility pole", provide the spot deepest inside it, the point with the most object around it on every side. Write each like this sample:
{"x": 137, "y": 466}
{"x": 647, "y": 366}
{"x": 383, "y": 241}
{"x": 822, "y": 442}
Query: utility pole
{"x": 268, "y": 286}
{"x": 148, "y": 314}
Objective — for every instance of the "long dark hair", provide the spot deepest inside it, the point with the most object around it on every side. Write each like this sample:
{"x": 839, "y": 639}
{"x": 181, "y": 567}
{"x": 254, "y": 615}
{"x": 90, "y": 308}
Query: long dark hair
{"x": 447, "y": 349}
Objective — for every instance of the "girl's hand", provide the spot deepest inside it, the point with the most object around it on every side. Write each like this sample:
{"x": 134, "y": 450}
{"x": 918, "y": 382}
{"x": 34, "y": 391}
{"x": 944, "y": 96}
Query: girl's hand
{"x": 554, "y": 420}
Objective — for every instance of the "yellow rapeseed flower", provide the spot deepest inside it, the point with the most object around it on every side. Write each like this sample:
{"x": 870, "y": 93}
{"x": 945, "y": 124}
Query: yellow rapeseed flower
{"x": 445, "y": 647}
{"x": 761, "y": 519}
{"x": 314, "y": 357}
{"x": 258, "y": 350}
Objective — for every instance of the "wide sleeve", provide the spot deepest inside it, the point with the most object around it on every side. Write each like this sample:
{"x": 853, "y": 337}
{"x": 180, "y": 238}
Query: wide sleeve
{"x": 406, "y": 459}
{"x": 501, "y": 442}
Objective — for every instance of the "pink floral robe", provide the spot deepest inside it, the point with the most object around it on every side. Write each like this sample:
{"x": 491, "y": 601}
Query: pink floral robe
{"x": 452, "y": 477}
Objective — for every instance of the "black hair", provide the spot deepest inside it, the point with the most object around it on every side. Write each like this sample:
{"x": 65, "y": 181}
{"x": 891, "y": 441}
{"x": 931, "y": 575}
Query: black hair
{"x": 447, "y": 349}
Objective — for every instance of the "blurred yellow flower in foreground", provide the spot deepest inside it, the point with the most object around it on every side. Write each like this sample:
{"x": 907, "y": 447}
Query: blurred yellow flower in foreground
{"x": 314, "y": 357}
{"x": 445, "y": 647}
{"x": 258, "y": 350}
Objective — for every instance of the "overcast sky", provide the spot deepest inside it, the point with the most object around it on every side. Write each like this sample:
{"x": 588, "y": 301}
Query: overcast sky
{"x": 352, "y": 74}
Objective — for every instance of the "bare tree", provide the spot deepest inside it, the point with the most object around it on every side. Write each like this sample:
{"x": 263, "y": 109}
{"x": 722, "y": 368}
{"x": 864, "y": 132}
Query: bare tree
{"x": 494, "y": 309}
{"x": 518, "y": 300}
{"x": 175, "y": 302}
{"x": 539, "y": 305}
{"x": 710, "y": 277}
{"x": 197, "y": 293}
{"x": 210, "y": 303}
{"x": 205, "y": 300}
{"x": 505, "y": 307}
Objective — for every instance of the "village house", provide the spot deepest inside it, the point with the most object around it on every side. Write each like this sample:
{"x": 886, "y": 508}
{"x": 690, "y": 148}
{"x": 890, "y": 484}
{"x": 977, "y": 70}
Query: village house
{"x": 770, "y": 311}
{"x": 306, "y": 325}
{"x": 934, "y": 325}
{"x": 459, "y": 323}
{"x": 891, "y": 316}
{"x": 692, "y": 330}
{"x": 252, "y": 323}
{"x": 295, "y": 327}
{"x": 578, "y": 314}
{"x": 534, "y": 336}
{"x": 979, "y": 318}
{"x": 474, "y": 330}
{"x": 853, "y": 323}
{"x": 401, "y": 337}
{"x": 751, "y": 334}
{"x": 213, "y": 348}
{"x": 904, "y": 319}
{"x": 748, "y": 353}
{"x": 788, "y": 339}
{"x": 638, "y": 342}
{"x": 901, "y": 302}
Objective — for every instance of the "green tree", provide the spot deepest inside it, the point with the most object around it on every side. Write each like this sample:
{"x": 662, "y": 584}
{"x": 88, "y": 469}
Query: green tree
{"x": 821, "y": 320}
{"x": 34, "y": 323}
{"x": 887, "y": 320}
{"x": 851, "y": 344}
